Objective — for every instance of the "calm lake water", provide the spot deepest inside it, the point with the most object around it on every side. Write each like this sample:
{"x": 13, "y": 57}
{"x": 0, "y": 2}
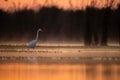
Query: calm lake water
{"x": 21, "y": 71}
{"x": 27, "y": 71}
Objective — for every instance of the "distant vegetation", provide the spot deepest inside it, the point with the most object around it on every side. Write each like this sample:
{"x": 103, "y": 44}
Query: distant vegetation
{"x": 93, "y": 25}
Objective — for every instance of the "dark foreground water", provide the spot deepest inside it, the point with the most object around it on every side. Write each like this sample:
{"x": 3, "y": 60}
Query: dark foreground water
{"x": 59, "y": 72}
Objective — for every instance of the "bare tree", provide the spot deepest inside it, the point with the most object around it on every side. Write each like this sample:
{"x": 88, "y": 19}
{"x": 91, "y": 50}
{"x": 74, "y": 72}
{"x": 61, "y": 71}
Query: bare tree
{"x": 106, "y": 16}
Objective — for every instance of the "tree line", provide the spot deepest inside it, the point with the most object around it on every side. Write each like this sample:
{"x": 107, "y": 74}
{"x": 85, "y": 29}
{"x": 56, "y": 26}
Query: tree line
{"x": 92, "y": 25}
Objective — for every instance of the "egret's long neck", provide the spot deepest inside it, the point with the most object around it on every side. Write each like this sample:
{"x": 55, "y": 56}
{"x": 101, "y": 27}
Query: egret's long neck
{"x": 37, "y": 35}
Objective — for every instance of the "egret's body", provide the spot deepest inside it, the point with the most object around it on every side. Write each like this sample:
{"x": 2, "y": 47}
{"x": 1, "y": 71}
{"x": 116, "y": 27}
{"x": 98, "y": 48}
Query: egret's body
{"x": 33, "y": 43}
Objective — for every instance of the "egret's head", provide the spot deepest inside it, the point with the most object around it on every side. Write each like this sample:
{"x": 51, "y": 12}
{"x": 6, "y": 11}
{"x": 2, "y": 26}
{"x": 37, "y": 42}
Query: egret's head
{"x": 39, "y": 29}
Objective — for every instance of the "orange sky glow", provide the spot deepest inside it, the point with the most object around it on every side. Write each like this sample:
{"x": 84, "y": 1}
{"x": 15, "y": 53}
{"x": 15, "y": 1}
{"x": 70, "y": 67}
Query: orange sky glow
{"x": 15, "y": 5}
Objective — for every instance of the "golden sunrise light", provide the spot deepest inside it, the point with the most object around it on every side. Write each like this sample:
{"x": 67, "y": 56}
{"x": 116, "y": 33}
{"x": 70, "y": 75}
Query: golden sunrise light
{"x": 14, "y": 5}
{"x": 59, "y": 39}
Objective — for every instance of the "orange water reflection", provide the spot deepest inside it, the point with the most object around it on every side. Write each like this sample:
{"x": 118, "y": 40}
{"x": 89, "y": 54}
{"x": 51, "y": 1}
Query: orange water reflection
{"x": 59, "y": 72}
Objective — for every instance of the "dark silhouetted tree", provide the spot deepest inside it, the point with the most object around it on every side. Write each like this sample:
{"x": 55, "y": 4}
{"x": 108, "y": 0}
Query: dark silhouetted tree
{"x": 106, "y": 18}
{"x": 118, "y": 22}
{"x": 92, "y": 29}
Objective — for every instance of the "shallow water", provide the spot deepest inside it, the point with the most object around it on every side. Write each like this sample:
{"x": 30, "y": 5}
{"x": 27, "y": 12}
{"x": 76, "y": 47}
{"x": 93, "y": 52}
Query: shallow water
{"x": 59, "y": 72}
{"x": 72, "y": 63}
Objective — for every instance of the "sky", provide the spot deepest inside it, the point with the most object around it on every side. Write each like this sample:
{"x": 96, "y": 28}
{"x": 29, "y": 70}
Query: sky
{"x": 15, "y": 5}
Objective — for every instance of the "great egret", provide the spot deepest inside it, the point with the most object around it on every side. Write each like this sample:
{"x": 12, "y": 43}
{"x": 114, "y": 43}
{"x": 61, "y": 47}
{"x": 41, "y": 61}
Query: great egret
{"x": 32, "y": 43}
